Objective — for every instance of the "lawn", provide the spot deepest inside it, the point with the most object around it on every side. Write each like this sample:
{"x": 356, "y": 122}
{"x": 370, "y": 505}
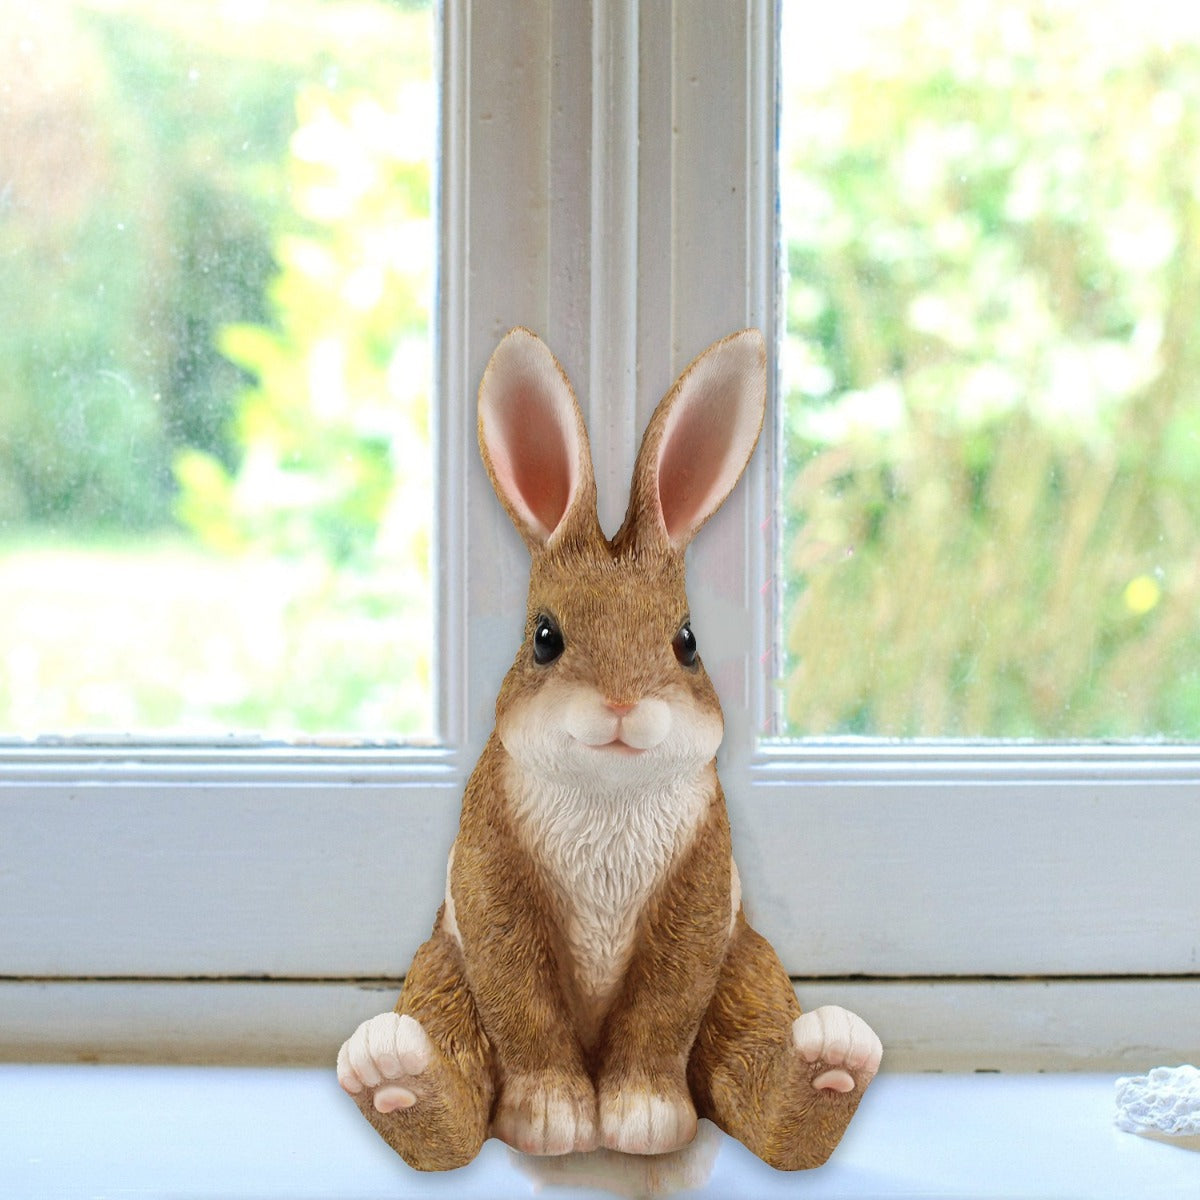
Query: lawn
{"x": 161, "y": 638}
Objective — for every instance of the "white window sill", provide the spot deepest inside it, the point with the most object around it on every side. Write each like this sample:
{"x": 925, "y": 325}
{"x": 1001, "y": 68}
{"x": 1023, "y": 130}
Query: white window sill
{"x": 74, "y": 1131}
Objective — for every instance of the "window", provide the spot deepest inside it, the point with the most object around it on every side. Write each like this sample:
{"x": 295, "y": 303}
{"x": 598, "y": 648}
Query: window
{"x": 991, "y": 495}
{"x": 214, "y": 452}
{"x": 983, "y": 904}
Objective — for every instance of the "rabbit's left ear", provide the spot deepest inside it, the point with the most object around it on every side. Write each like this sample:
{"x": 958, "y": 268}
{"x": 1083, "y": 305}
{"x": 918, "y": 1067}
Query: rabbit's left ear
{"x": 534, "y": 444}
{"x": 698, "y": 442}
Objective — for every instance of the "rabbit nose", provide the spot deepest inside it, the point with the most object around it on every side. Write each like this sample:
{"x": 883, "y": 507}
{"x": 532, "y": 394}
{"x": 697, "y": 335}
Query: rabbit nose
{"x": 619, "y": 709}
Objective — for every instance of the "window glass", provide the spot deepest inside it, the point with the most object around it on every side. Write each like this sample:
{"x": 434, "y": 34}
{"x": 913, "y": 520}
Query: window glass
{"x": 217, "y": 260}
{"x": 991, "y": 228}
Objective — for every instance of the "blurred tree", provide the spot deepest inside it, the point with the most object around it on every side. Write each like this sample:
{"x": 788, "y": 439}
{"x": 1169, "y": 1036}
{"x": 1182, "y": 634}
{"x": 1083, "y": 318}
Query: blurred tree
{"x": 335, "y": 466}
{"x": 993, "y": 514}
{"x": 341, "y": 376}
{"x": 214, "y": 321}
{"x": 142, "y": 178}
{"x": 75, "y": 415}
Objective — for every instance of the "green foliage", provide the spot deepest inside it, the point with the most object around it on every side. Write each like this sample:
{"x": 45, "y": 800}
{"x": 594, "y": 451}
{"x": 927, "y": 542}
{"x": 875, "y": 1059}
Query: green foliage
{"x": 340, "y": 397}
{"x": 334, "y": 464}
{"x": 993, "y": 511}
{"x": 103, "y": 328}
{"x": 142, "y": 153}
{"x": 155, "y": 634}
{"x": 215, "y": 231}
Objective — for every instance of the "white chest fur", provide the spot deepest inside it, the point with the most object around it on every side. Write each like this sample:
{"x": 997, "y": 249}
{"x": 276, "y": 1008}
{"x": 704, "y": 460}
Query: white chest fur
{"x": 603, "y": 851}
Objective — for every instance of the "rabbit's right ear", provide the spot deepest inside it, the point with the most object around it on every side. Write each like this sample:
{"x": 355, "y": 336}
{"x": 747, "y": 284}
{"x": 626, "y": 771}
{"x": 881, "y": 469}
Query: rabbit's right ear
{"x": 698, "y": 443}
{"x": 534, "y": 443}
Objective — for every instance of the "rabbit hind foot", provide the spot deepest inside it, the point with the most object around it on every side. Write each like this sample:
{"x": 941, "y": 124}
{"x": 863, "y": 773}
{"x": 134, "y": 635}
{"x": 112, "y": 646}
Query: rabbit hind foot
{"x": 815, "y": 1088}
{"x": 415, "y": 1098}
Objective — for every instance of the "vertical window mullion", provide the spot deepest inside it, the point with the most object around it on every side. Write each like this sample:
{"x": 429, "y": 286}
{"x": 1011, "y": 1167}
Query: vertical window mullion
{"x": 706, "y": 267}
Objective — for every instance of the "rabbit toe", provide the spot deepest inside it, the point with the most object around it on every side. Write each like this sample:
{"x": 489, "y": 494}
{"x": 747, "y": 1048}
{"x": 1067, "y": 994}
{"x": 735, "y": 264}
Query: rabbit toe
{"x": 843, "y": 1046}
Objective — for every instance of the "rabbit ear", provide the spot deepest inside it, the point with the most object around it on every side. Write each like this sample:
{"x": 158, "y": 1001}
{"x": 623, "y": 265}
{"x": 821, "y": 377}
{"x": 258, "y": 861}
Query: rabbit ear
{"x": 698, "y": 442}
{"x": 533, "y": 442}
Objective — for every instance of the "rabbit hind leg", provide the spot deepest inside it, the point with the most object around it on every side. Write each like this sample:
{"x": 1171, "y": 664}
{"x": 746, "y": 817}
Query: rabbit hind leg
{"x": 422, "y": 1075}
{"x": 782, "y": 1083}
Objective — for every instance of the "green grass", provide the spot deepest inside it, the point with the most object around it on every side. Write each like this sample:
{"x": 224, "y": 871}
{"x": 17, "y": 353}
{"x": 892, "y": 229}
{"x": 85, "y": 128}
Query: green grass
{"x": 160, "y": 638}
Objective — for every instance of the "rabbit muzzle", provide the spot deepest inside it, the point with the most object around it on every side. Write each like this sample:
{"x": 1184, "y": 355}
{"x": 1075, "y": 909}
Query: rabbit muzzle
{"x": 570, "y": 733}
{"x": 617, "y": 728}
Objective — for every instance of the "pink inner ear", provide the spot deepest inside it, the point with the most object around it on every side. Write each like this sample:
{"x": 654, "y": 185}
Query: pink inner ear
{"x": 531, "y": 458}
{"x": 696, "y": 468}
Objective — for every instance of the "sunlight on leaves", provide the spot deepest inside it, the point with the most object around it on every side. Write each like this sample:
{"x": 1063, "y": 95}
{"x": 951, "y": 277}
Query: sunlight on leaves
{"x": 991, "y": 230}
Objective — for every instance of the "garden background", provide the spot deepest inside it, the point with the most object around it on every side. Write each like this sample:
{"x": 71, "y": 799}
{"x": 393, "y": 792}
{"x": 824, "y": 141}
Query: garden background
{"x": 217, "y": 258}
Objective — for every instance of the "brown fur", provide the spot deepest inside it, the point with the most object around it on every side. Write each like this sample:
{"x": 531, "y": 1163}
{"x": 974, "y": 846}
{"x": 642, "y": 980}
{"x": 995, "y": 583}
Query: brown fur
{"x": 588, "y": 589}
{"x": 701, "y": 1018}
{"x": 743, "y": 1073}
{"x": 450, "y": 1120}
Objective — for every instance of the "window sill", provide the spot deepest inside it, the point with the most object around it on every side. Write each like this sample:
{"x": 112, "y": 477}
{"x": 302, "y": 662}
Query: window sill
{"x": 74, "y": 1131}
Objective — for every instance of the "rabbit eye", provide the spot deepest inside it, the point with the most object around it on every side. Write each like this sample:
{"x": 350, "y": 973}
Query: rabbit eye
{"x": 548, "y": 641}
{"x": 684, "y": 645}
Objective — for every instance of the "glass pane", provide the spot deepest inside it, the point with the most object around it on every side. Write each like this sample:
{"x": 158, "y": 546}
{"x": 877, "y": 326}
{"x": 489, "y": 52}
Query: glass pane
{"x": 992, "y": 493}
{"x": 217, "y": 259}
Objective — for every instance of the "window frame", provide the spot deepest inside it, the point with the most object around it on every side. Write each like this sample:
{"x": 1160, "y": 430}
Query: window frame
{"x": 578, "y": 197}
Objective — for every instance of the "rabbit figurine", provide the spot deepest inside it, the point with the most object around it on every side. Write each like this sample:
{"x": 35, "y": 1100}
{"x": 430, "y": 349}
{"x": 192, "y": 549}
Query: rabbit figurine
{"x": 591, "y": 980}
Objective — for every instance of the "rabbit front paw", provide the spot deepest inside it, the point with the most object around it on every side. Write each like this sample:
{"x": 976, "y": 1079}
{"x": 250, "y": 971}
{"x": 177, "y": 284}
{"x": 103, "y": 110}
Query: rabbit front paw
{"x": 842, "y": 1049}
{"x": 550, "y": 1113}
{"x": 643, "y": 1116}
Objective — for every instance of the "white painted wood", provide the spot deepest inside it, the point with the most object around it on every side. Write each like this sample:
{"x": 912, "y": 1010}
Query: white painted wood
{"x": 614, "y": 255}
{"x": 708, "y": 267}
{"x": 221, "y": 878}
{"x": 1124, "y": 1026}
{"x": 505, "y": 241}
{"x": 236, "y": 1024}
{"x": 453, "y": 423}
{"x": 1065, "y": 872}
{"x": 337, "y": 869}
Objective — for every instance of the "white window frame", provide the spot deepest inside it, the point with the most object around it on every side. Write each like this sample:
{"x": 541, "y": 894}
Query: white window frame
{"x": 607, "y": 178}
